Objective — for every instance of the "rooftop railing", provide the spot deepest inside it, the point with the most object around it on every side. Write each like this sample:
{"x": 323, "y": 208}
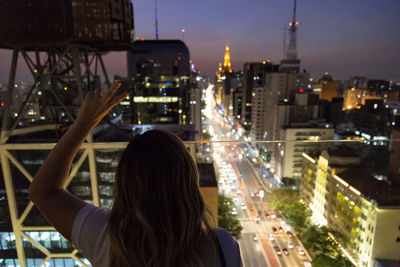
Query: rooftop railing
{"x": 28, "y": 240}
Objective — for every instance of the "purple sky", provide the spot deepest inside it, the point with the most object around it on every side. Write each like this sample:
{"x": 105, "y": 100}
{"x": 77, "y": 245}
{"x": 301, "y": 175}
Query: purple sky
{"x": 345, "y": 38}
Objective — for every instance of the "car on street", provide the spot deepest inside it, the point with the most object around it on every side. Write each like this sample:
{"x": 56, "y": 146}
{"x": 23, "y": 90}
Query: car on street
{"x": 255, "y": 238}
{"x": 277, "y": 250}
{"x": 290, "y": 234}
{"x": 285, "y": 251}
{"x": 300, "y": 251}
{"x": 280, "y": 229}
{"x": 274, "y": 230}
{"x": 290, "y": 244}
{"x": 271, "y": 237}
{"x": 244, "y": 207}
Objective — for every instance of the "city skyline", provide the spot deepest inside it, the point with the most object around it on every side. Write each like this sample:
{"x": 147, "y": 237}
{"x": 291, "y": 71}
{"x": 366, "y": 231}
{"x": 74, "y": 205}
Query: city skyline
{"x": 352, "y": 32}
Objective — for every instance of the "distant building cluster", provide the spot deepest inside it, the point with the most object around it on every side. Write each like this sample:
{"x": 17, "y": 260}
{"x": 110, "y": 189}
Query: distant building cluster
{"x": 352, "y": 188}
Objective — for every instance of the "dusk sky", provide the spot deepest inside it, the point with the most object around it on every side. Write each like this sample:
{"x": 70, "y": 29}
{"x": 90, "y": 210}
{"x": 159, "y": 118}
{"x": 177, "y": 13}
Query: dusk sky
{"x": 344, "y": 38}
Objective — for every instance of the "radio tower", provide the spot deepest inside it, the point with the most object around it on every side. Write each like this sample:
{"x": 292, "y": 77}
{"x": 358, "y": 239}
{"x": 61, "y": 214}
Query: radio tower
{"x": 291, "y": 63}
{"x": 291, "y": 52}
{"x": 156, "y": 18}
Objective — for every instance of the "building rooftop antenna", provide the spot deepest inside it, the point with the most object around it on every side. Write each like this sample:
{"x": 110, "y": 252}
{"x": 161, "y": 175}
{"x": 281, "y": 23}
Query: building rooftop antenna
{"x": 156, "y": 18}
{"x": 284, "y": 40}
{"x": 291, "y": 52}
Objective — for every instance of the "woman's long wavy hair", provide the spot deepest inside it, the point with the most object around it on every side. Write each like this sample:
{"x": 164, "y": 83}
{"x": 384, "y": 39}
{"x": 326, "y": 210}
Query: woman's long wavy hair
{"x": 159, "y": 217}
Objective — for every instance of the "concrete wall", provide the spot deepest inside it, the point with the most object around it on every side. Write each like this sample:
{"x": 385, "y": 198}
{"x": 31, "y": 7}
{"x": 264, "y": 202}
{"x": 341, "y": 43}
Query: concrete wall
{"x": 387, "y": 231}
{"x": 210, "y": 196}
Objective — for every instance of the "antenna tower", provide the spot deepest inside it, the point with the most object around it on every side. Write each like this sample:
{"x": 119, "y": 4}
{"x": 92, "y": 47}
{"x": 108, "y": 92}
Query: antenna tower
{"x": 284, "y": 39}
{"x": 291, "y": 52}
{"x": 156, "y": 18}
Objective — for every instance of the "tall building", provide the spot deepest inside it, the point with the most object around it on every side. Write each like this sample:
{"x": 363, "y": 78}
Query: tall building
{"x": 160, "y": 82}
{"x": 198, "y": 87}
{"x": 288, "y": 161}
{"x": 237, "y": 96}
{"x": 345, "y": 198}
{"x": 274, "y": 88}
{"x": 253, "y": 76}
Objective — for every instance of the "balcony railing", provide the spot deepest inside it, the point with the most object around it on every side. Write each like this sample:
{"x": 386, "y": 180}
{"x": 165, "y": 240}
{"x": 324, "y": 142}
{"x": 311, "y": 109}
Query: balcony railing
{"x": 30, "y": 241}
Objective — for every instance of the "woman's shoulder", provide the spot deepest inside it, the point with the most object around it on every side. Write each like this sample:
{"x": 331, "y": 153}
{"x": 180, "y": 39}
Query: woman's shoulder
{"x": 90, "y": 235}
{"x": 229, "y": 246}
{"x": 223, "y": 235}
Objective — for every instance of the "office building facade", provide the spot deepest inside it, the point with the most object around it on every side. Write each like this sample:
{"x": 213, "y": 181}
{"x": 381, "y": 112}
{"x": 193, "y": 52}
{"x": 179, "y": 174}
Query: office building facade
{"x": 159, "y": 73}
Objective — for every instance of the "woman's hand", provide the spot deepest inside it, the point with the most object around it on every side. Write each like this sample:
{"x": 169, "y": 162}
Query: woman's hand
{"x": 97, "y": 104}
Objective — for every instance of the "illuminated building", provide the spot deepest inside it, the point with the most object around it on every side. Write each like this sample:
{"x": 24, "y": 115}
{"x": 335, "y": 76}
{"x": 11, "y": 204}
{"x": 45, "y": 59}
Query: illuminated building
{"x": 345, "y": 198}
{"x": 160, "y": 80}
{"x": 353, "y": 98}
{"x": 326, "y": 88}
{"x": 227, "y": 61}
{"x": 371, "y": 119}
{"x": 227, "y": 83}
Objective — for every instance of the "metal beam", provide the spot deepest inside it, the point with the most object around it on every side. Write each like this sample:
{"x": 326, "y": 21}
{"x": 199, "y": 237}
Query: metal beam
{"x": 12, "y": 206}
{"x": 75, "y": 53}
{"x": 10, "y": 90}
{"x": 93, "y": 174}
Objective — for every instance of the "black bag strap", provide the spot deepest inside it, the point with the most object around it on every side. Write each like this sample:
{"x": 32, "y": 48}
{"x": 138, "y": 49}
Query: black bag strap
{"x": 221, "y": 254}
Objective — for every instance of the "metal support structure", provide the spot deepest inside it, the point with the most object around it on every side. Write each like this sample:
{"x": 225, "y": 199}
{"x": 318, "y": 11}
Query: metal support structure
{"x": 10, "y": 90}
{"x": 75, "y": 53}
{"x": 19, "y": 224}
{"x": 71, "y": 67}
{"x": 12, "y": 206}
{"x": 64, "y": 73}
{"x": 93, "y": 174}
{"x": 104, "y": 70}
{"x": 20, "y": 228}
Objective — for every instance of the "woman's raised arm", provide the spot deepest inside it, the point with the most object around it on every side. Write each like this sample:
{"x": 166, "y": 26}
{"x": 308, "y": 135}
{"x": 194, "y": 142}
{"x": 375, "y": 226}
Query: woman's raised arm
{"x": 47, "y": 190}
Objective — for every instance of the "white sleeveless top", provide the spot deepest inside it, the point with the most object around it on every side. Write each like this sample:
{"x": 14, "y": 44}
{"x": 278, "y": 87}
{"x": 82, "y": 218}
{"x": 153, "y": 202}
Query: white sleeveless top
{"x": 90, "y": 237}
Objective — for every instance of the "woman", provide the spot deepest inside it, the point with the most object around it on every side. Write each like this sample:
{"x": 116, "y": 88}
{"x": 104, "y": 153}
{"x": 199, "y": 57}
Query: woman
{"x": 158, "y": 217}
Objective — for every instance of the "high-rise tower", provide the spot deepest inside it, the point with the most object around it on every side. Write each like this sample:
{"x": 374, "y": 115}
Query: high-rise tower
{"x": 227, "y": 61}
